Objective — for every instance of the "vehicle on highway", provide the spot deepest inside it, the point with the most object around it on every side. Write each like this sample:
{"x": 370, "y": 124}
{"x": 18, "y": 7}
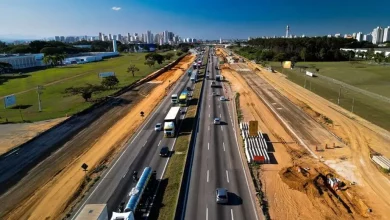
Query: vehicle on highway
{"x": 174, "y": 99}
{"x": 222, "y": 98}
{"x": 221, "y": 195}
{"x": 214, "y": 94}
{"x": 135, "y": 175}
{"x": 171, "y": 122}
{"x": 217, "y": 121}
{"x": 207, "y": 76}
{"x": 158, "y": 127}
{"x": 164, "y": 152}
{"x": 194, "y": 76}
{"x": 219, "y": 78}
{"x": 213, "y": 84}
{"x": 183, "y": 99}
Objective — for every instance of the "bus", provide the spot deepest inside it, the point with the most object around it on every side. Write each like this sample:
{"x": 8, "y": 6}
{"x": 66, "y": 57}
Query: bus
{"x": 183, "y": 99}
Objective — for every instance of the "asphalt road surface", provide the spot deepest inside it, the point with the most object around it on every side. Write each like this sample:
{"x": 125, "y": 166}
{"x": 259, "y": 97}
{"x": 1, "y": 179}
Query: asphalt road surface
{"x": 217, "y": 163}
{"x": 142, "y": 151}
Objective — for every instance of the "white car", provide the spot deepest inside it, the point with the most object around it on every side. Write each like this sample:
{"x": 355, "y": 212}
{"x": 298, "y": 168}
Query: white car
{"x": 217, "y": 121}
{"x": 158, "y": 127}
{"x": 222, "y": 98}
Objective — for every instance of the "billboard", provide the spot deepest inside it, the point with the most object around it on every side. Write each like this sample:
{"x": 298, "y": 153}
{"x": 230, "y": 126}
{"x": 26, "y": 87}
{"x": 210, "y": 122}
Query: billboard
{"x": 106, "y": 74}
{"x": 309, "y": 73}
{"x": 287, "y": 64}
{"x": 253, "y": 128}
{"x": 9, "y": 100}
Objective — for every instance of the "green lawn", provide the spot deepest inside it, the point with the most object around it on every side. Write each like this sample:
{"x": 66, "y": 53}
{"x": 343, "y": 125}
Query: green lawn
{"x": 366, "y": 76}
{"x": 54, "y": 103}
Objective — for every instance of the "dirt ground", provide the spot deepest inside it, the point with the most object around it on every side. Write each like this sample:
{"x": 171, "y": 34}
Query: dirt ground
{"x": 352, "y": 163}
{"x": 13, "y": 135}
{"x": 50, "y": 201}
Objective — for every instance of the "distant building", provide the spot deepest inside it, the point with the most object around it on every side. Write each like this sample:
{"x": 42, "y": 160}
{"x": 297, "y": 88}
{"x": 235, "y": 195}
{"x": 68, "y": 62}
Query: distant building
{"x": 57, "y": 38}
{"x": 386, "y": 34}
{"x": 101, "y": 36}
{"x": 114, "y": 47}
{"x": 220, "y": 40}
{"x": 359, "y": 36}
{"x": 367, "y": 37}
{"x": 22, "y": 61}
{"x": 337, "y": 35}
{"x": 287, "y": 31}
{"x": 62, "y": 39}
{"x": 377, "y": 35}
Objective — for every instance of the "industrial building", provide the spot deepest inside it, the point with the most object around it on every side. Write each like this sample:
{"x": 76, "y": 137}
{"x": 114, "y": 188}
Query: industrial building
{"x": 23, "y": 61}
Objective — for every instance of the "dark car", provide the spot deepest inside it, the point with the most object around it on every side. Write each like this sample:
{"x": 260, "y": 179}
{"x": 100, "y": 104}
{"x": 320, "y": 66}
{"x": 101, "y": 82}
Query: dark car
{"x": 164, "y": 152}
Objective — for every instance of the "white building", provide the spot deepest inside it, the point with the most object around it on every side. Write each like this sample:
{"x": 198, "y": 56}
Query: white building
{"x": 367, "y": 37}
{"x": 337, "y": 35}
{"x": 23, "y": 61}
{"x": 359, "y": 36}
{"x": 220, "y": 40}
{"x": 386, "y": 34}
{"x": 377, "y": 35}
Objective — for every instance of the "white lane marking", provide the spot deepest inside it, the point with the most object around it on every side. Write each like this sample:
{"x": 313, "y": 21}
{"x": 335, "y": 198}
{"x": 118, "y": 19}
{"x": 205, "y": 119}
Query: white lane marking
{"x": 209, "y": 115}
{"x": 219, "y": 106}
{"x": 221, "y": 128}
{"x": 207, "y": 175}
{"x": 209, "y": 106}
{"x": 209, "y": 127}
{"x": 159, "y": 143}
{"x": 220, "y": 115}
{"x": 208, "y": 146}
{"x": 207, "y": 213}
{"x": 145, "y": 143}
{"x": 227, "y": 175}
{"x": 223, "y": 146}
{"x": 123, "y": 176}
{"x": 231, "y": 212}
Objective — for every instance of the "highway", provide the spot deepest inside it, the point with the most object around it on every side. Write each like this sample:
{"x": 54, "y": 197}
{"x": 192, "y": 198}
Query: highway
{"x": 141, "y": 151}
{"x": 216, "y": 163}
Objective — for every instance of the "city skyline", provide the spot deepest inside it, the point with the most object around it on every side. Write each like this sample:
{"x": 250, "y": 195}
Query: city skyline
{"x": 260, "y": 18}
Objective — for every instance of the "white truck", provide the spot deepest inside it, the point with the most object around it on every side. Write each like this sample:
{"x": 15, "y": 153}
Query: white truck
{"x": 171, "y": 122}
{"x": 174, "y": 99}
{"x": 99, "y": 212}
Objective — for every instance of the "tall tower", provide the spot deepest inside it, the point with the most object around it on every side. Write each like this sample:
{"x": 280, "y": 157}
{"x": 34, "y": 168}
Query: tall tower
{"x": 115, "y": 49}
{"x": 287, "y": 31}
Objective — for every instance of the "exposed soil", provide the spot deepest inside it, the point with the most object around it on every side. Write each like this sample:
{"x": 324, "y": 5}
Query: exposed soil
{"x": 50, "y": 201}
{"x": 291, "y": 196}
{"x": 13, "y": 135}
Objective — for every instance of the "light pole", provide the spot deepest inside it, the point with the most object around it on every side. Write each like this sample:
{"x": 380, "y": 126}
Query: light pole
{"x": 39, "y": 91}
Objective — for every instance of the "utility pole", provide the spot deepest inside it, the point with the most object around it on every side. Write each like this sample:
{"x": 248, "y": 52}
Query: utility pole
{"x": 304, "y": 86}
{"x": 39, "y": 91}
{"x": 353, "y": 103}
{"x": 338, "y": 99}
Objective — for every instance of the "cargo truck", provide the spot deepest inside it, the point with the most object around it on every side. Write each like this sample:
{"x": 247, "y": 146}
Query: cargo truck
{"x": 93, "y": 212}
{"x": 194, "y": 75}
{"x": 171, "y": 122}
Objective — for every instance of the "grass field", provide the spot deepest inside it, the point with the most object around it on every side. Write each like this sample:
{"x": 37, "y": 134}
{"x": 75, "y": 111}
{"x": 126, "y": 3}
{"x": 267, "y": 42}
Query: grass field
{"x": 55, "y": 80}
{"x": 370, "y": 77}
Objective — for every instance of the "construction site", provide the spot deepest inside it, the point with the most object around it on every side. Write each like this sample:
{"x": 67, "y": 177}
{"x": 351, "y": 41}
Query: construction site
{"x": 322, "y": 166}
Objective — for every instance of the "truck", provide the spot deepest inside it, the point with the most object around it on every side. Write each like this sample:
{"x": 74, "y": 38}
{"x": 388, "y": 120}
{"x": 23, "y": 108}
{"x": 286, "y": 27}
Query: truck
{"x": 98, "y": 212}
{"x": 194, "y": 65}
{"x": 183, "y": 98}
{"x": 194, "y": 76}
{"x": 219, "y": 78}
{"x": 171, "y": 122}
{"x": 174, "y": 99}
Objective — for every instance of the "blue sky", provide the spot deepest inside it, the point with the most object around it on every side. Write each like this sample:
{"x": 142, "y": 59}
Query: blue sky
{"x": 206, "y": 19}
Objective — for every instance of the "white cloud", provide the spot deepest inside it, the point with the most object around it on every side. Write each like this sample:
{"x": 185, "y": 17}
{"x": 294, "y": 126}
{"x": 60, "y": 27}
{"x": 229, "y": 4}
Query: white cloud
{"x": 116, "y": 8}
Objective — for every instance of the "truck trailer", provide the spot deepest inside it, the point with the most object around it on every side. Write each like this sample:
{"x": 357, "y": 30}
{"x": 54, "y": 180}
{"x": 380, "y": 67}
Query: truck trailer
{"x": 93, "y": 212}
{"x": 174, "y": 99}
{"x": 171, "y": 122}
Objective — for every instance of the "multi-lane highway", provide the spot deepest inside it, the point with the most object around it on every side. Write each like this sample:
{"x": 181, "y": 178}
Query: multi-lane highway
{"x": 216, "y": 162}
{"x": 142, "y": 151}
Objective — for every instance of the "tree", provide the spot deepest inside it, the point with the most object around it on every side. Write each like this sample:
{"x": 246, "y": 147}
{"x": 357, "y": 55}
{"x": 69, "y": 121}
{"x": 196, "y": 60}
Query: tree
{"x": 168, "y": 56}
{"x": 322, "y": 54}
{"x": 85, "y": 91}
{"x": 48, "y": 59}
{"x": 110, "y": 81}
{"x": 379, "y": 57}
{"x": 179, "y": 53}
{"x": 280, "y": 57}
{"x": 150, "y": 62}
{"x": 185, "y": 49}
{"x": 132, "y": 68}
{"x": 303, "y": 54}
{"x": 155, "y": 56}
{"x": 294, "y": 60}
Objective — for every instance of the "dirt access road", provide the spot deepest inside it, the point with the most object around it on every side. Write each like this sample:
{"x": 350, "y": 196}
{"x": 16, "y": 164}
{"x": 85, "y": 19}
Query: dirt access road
{"x": 48, "y": 193}
{"x": 284, "y": 202}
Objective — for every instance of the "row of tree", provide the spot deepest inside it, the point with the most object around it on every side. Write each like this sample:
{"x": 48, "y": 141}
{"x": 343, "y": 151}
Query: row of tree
{"x": 301, "y": 49}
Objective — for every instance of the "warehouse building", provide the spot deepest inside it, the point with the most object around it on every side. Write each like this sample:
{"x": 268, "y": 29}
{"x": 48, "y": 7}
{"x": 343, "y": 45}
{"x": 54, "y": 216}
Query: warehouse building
{"x": 23, "y": 61}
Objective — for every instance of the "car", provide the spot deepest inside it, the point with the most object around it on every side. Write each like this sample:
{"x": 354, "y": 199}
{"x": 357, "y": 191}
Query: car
{"x": 158, "y": 127}
{"x": 217, "y": 121}
{"x": 207, "y": 76}
{"x": 164, "y": 152}
{"x": 213, "y": 93}
{"x": 221, "y": 196}
{"x": 222, "y": 98}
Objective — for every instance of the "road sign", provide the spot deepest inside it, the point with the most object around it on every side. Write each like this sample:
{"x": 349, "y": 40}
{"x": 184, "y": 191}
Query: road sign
{"x": 253, "y": 128}
{"x": 106, "y": 74}
{"x": 287, "y": 64}
{"x": 9, "y": 100}
{"x": 84, "y": 166}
